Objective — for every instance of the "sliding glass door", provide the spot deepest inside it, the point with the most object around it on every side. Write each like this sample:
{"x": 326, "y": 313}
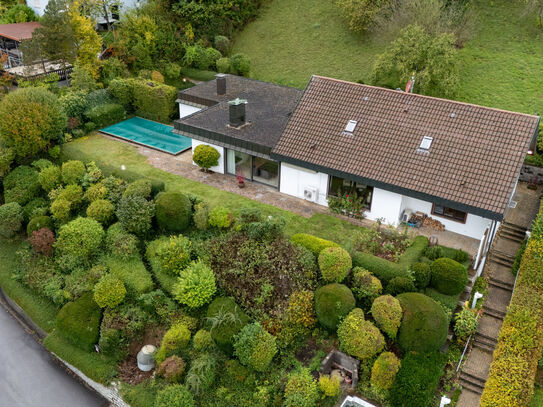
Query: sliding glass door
{"x": 252, "y": 168}
{"x": 238, "y": 163}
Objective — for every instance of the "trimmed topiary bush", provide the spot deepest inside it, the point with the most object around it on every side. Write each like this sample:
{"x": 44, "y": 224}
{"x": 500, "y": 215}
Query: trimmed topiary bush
{"x": 132, "y": 273}
{"x": 140, "y": 187}
{"x": 50, "y": 178}
{"x": 334, "y": 263}
{"x": 42, "y": 241}
{"x": 221, "y": 218}
{"x": 332, "y": 303}
{"x": 73, "y": 171}
{"x": 424, "y": 324}
{"x": 399, "y": 285}
{"x": 422, "y": 275}
{"x": 21, "y": 185}
{"x": 366, "y": 287}
{"x": 37, "y": 223}
{"x": 448, "y": 276}
{"x": 36, "y": 207}
{"x": 384, "y": 370}
{"x": 202, "y": 340}
{"x": 95, "y": 192}
{"x": 71, "y": 193}
{"x": 387, "y": 313}
{"x": 60, "y": 210}
{"x": 433, "y": 252}
{"x": 135, "y": 214}
{"x": 329, "y": 386}
{"x": 120, "y": 243}
{"x": 101, "y": 210}
{"x": 201, "y": 216}
{"x": 196, "y": 285}
{"x": 11, "y": 219}
{"x": 109, "y": 291}
{"x": 106, "y": 114}
{"x": 79, "y": 322}
{"x": 358, "y": 337}
{"x": 81, "y": 238}
{"x": 301, "y": 389}
{"x": 224, "y": 320}
{"x": 175, "y": 340}
{"x": 176, "y": 255}
{"x": 175, "y": 395}
{"x": 172, "y": 369}
{"x": 205, "y": 156}
{"x": 255, "y": 347}
{"x": 173, "y": 211}
{"x": 240, "y": 64}
{"x": 223, "y": 65}
{"x": 313, "y": 243}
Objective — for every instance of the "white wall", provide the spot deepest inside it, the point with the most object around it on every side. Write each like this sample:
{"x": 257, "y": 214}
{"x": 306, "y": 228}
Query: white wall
{"x": 295, "y": 179}
{"x": 385, "y": 204}
{"x": 218, "y": 168}
{"x": 474, "y": 226}
{"x": 187, "y": 110}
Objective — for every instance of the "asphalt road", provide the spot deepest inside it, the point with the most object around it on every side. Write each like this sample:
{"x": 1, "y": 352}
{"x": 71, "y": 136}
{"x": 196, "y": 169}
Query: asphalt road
{"x": 29, "y": 377}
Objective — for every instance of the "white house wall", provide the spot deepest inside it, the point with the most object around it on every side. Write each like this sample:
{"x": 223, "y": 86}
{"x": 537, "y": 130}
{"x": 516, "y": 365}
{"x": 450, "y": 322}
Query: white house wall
{"x": 187, "y": 110}
{"x": 385, "y": 205}
{"x": 218, "y": 168}
{"x": 294, "y": 180}
{"x": 474, "y": 227}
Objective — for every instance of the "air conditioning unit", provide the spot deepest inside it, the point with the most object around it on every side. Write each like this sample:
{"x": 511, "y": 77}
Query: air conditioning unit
{"x": 311, "y": 194}
{"x": 406, "y": 214}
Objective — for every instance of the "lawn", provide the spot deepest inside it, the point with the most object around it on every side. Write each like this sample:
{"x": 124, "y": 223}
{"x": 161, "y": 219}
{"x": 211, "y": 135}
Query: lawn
{"x": 115, "y": 153}
{"x": 537, "y": 399}
{"x": 501, "y": 66}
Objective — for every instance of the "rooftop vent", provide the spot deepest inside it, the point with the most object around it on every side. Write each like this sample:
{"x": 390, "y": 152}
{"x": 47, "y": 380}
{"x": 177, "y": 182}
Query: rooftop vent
{"x": 426, "y": 143}
{"x": 237, "y": 112}
{"x": 221, "y": 83}
{"x": 349, "y": 128}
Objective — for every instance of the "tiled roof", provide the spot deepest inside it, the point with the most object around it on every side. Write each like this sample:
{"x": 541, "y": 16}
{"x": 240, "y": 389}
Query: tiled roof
{"x": 472, "y": 165}
{"x": 18, "y": 31}
{"x": 268, "y": 109}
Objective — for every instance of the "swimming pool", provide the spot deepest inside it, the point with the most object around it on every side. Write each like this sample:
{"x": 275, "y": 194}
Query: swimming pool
{"x": 150, "y": 134}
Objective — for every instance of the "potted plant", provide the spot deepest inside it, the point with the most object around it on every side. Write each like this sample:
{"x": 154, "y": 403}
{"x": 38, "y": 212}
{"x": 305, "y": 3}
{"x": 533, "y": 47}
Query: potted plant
{"x": 241, "y": 181}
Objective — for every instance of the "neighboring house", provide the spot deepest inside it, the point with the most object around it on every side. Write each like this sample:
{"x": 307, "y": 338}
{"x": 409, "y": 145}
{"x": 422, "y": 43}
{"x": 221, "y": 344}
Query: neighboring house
{"x": 11, "y": 36}
{"x": 456, "y": 162}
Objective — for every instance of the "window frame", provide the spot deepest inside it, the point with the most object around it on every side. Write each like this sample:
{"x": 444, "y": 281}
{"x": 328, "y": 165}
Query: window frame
{"x": 442, "y": 215}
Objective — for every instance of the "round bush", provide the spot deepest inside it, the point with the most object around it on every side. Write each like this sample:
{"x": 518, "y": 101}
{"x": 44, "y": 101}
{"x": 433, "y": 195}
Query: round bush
{"x": 448, "y": 276}
{"x": 21, "y": 185}
{"x": 37, "y": 223}
{"x": 175, "y": 395}
{"x": 121, "y": 243}
{"x": 255, "y": 347}
{"x": 334, "y": 263}
{"x": 384, "y": 370}
{"x": 175, "y": 340}
{"x": 109, "y": 291}
{"x": 135, "y": 214}
{"x": 240, "y": 64}
{"x": 41, "y": 164}
{"x": 141, "y": 187}
{"x": 332, "y": 303}
{"x": 424, "y": 325}
{"x": 465, "y": 324}
{"x": 95, "y": 192}
{"x": 225, "y": 319}
{"x": 196, "y": 285}
{"x": 36, "y": 207}
{"x": 101, "y": 210}
{"x": 460, "y": 256}
{"x": 175, "y": 256}
{"x": 173, "y": 211}
{"x": 205, "y": 156}
{"x": 222, "y": 44}
{"x": 358, "y": 337}
{"x": 42, "y": 241}
{"x": 201, "y": 216}
{"x": 72, "y": 171}
{"x": 50, "y": 178}
{"x": 220, "y": 217}
{"x": 11, "y": 219}
{"x": 329, "y": 386}
{"x": 223, "y": 65}
{"x": 79, "y": 322}
{"x": 366, "y": 287}
{"x": 301, "y": 389}
{"x": 80, "y": 238}
{"x": 172, "y": 369}
{"x": 399, "y": 285}
{"x": 433, "y": 252}
{"x": 422, "y": 274}
{"x": 172, "y": 70}
{"x": 202, "y": 340}
{"x": 71, "y": 193}
{"x": 60, "y": 210}
{"x": 387, "y": 313}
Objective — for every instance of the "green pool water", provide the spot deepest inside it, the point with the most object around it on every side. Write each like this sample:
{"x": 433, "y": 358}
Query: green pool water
{"x": 149, "y": 133}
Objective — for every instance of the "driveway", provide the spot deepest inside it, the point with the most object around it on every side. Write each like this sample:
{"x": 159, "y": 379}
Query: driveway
{"x": 29, "y": 377}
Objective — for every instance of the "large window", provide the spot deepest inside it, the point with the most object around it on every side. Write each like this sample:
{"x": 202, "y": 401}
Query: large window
{"x": 266, "y": 171}
{"x": 449, "y": 213}
{"x": 252, "y": 168}
{"x": 340, "y": 186}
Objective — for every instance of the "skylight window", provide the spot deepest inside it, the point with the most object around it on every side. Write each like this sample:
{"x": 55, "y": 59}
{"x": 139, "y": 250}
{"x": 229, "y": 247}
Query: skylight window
{"x": 426, "y": 143}
{"x": 350, "y": 126}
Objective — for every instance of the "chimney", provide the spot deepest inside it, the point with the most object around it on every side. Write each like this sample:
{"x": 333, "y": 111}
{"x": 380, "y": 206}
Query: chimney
{"x": 237, "y": 112}
{"x": 221, "y": 83}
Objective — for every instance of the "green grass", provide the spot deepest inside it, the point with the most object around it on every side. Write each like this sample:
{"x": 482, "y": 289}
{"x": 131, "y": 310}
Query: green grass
{"x": 537, "y": 399}
{"x": 500, "y": 66}
{"x": 38, "y": 308}
{"x": 115, "y": 153}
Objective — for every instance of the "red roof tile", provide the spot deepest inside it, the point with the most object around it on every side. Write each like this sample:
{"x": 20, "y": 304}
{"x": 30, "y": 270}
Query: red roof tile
{"x": 18, "y": 31}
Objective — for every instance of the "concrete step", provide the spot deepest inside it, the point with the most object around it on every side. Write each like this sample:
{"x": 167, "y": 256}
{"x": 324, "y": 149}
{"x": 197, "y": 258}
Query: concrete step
{"x": 494, "y": 313}
{"x": 468, "y": 384}
{"x": 484, "y": 343}
{"x": 513, "y": 227}
{"x": 500, "y": 284}
{"x": 502, "y": 258}
{"x": 468, "y": 398}
{"x": 512, "y": 236}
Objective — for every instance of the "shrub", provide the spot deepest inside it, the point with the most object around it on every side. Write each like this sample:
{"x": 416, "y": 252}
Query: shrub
{"x": 359, "y": 337}
{"x": 223, "y": 65}
{"x": 79, "y": 322}
{"x": 225, "y": 319}
{"x": 240, "y": 64}
{"x": 71, "y": 193}
{"x": 54, "y": 152}
{"x": 360, "y": 13}
{"x": 201, "y": 374}
{"x": 196, "y": 285}
{"x": 135, "y": 214}
{"x": 140, "y": 187}
{"x": 255, "y": 347}
{"x": 21, "y": 185}
{"x": 384, "y": 370}
{"x": 80, "y": 238}
{"x": 37, "y": 223}
{"x": 301, "y": 389}
{"x": 448, "y": 302}
{"x": 172, "y": 70}
{"x": 175, "y": 256}
{"x": 202, "y": 340}
{"x": 172, "y": 369}
{"x": 104, "y": 115}
{"x": 465, "y": 324}
{"x": 101, "y": 210}
{"x": 109, "y": 291}
{"x": 157, "y": 77}
{"x": 173, "y": 211}
{"x": 383, "y": 269}
{"x": 175, "y": 340}
{"x": 220, "y": 217}
{"x": 460, "y": 256}
{"x": 422, "y": 274}
{"x": 222, "y": 43}
{"x": 417, "y": 379}
{"x": 152, "y": 100}
{"x": 11, "y": 219}
{"x": 73, "y": 171}
{"x": 132, "y": 273}
{"x": 42, "y": 241}
{"x": 312, "y": 243}
{"x": 424, "y": 325}
{"x": 332, "y": 303}
{"x": 387, "y": 313}
{"x": 95, "y": 192}
{"x": 205, "y": 156}
{"x": 433, "y": 252}
{"x": 329, "y": 386}
{"x": 399, "y": 285}
{"x": 122, "y": 90}
{"x": 175, "y": 395}
{"x": 60, "y": 210}
{"x": 448, "y": 276}
{"x": 201, "y": 216}
{"x": 366, "y": 287}
{"x": 300, "y": 310}
{"x": 334, "y": 263}
{"x": 50, "y": 178}
{"x": 36, "y": 207}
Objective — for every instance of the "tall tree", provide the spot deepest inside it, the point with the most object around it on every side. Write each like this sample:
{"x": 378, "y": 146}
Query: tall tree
{"x": 88, "y": 43}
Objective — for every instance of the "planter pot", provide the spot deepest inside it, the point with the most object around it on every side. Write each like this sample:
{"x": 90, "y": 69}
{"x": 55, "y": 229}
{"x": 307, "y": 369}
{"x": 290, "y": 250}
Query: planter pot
{"x": 146, "y": 358}
{"x": 241, "y": 184}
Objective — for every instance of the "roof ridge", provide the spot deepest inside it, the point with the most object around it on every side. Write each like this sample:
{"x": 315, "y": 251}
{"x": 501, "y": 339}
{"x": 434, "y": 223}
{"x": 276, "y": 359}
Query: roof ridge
{"x": 424, "y": 96}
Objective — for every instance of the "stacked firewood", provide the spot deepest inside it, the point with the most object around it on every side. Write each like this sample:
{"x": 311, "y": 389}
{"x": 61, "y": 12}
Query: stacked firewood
{"x": 433, "y": 224}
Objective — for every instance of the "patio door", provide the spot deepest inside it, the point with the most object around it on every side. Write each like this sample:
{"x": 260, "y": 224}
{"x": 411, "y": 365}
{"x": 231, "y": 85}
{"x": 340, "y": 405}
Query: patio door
{"x": 238, "y": 163}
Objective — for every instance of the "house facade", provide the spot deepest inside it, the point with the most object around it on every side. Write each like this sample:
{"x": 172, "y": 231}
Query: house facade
{"x": 403, "y": 153}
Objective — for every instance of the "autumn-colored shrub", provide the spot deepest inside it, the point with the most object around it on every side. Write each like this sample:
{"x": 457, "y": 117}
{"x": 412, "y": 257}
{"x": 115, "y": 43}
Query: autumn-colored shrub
{"x": 387, "y": 313}
{"x": 359, "y": 337}
{"x": 42, "y": 241}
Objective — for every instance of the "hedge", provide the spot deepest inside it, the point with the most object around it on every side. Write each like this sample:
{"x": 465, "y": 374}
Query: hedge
{"x": 104, "y": 115}
{"x": 312, "y": 243}
{"x": 513, "y": 370}
{"x": 132, "y": 273}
